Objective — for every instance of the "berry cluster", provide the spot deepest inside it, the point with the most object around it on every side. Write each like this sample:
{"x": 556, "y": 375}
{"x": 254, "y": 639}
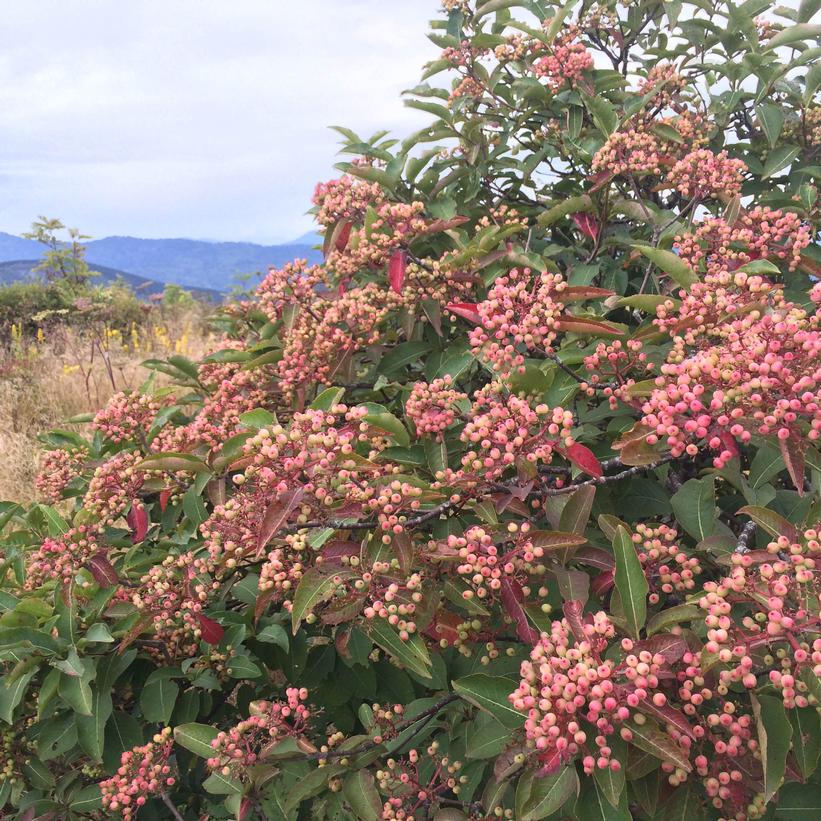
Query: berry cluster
{"x": 144, "y": 771}
{"x": 268, "y": 723}
{"x": 433, "y": 407}
{"x": 519, "y": 312}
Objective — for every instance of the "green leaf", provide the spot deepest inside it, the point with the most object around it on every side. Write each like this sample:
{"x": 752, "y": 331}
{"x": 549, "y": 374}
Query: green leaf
{"x": 491, "y": 693}
{"x": 571, "y": 205}
{"x": 157, "y": 700}
{"x": 806, "y": 738}
{"x": 361, "y": 794}
{"x": 678, "y": 270}
{"x": 576, "y": 512}
{"x": 91, "y": 729}
{"x": 694, "y": 505}
{"x": 379, "y": 418}
{"x": 630, "y": 581}
{"x": 122, "y": 733}
{"x": 274, "y": 634}
{"x": 648, "y": 736}
{"x": 196, "y": 738}
{"x": 774, "y": 737}
{"x": 674, "y": 615}
{"x": 259, "y": 418}
{"x": 778, "y": 159}
{"x": 411, "y": 654}
{"x": 11, "y": 693}
{"x": 766, "y": 465}
{"x": 488, "y": 741}
{"x": 314, "y": 587}
{"x": 771, "y": 118}
{"x": 327, "y": 399}
{"x": 604, "y": 115}
{"x": 173, "y": 462}
{"x": 218, "y": 784}
{"x": 76, "y": 692}
{"x": 437, "y": 455}
{"x": 87, "y": 799}
{"x": 612, "y": 782}
{"x": 592, "y": 805}
{"x": 799, "y": 802}
{"x": 240, "y": 666}
{"x": 794, "y": 34}
{"x": 549, "y": 793}
{"x": 403, "y": 355}
{"x": 312, "y": 784}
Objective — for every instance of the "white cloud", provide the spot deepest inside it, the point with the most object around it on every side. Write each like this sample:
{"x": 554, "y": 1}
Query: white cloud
{"x": 194, "y": 117}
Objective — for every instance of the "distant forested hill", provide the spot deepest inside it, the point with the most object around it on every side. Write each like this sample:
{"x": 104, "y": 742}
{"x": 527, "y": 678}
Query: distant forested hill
{"x": 20, "y": 270}
{"x": 191, "y": 263}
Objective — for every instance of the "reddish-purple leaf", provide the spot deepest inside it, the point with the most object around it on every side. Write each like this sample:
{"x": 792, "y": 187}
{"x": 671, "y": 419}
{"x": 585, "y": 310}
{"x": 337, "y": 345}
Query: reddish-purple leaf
{"x": 277, "y": 514}
{"x": 211, "y": 631}
{"x": 670, "y": 646}
{"x": 586, "y": 224}
{"x": 102, "y": 570}
{"x": 396, "y": 269}
{"x": 792, "y": 451}
{"x": 667, "y": 715}
{"x": 603, "y": 582}
{"x": 137, "y": 519}
{"x": 338, "y": 549}
{"x": 467, "y": 310}
{"x": 584, "y": 458}
{"x": 513, "y": 601}
{"x": 580, "y": 325}
{"x": 573, "y": 613}
{"x": 574, "y": 293}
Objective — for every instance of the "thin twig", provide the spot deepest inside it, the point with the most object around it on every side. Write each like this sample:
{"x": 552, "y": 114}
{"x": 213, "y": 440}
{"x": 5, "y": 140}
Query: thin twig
{"x": 604, "y": 480}
{"x": 365, "y": 746}
{"x": 172, "y": 809}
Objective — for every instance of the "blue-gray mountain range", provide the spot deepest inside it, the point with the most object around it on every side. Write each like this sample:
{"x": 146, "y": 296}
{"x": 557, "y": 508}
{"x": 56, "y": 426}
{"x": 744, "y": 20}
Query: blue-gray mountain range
{"x": 216, "y": 266}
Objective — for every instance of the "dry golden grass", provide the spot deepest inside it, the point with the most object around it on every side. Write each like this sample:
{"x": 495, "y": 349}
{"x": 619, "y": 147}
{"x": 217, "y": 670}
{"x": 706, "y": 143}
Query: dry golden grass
{"x": 63, "y": 373}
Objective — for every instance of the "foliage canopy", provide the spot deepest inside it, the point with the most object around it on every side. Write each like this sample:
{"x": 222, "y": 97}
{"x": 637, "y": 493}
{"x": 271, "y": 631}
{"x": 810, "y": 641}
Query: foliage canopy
{"x": 510, "y": 507}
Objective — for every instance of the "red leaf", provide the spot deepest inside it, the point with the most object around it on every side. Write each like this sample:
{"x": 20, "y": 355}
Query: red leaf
{"x": 512, "y": 599}
{"x": 137, "y": 519}
{"x": 338, "y": 549}
{"x": 584, "y": 458}
{"x": 578, "y": 325}
{"x": 444, "y": 225}
{"x": 102, "y": 570}
{"x": 667, "y": 715}
{"x": 134, "y": 633}
{"x": 668, "y": 645}
{"x": 578, "y": 292}
{"x": 343, "y": 237}
{"x": 551, "y": 760}
{"x": 603, "y": 582}
{"x": 277, "y": 514}
{"x": 586, "y": 224}
{"x": 600, "y": 179}
{"x": 729, "y": 442}
{"x": 396, "y": 269}
{"x": 445, "y": 625}
{"x": 165, "y": 495}
{"x": 792, "y": 451}
{"x": 261, "y": 604}
{"x": 573, "y": 613}
{"x": 467, "y": 310}
{"x": 212, "y": 632}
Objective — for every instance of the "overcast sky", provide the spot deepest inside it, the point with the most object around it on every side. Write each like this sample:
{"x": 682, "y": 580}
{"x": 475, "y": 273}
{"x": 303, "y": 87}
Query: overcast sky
{"x": 194, "y": 118}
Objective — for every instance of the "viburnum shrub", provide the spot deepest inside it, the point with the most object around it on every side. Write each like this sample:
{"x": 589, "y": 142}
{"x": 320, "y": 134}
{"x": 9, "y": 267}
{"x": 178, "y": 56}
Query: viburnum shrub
{"x": 509, "y": 508}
